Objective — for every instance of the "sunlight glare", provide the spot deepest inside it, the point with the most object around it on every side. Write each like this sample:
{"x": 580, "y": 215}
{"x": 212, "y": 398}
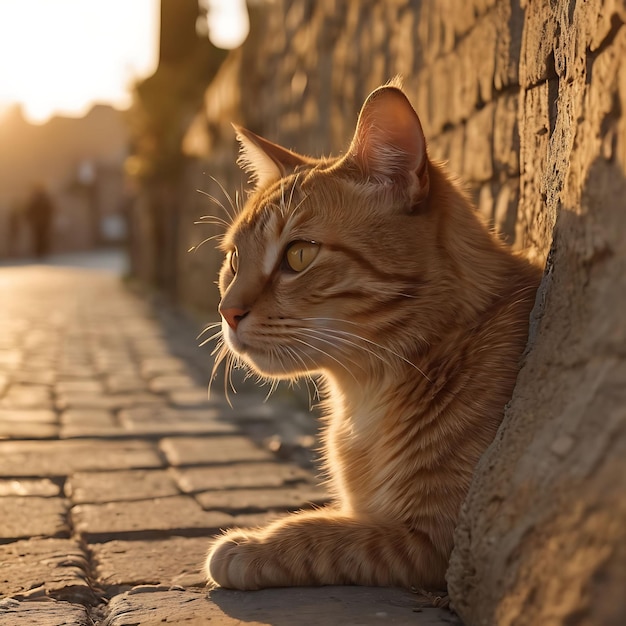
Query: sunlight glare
{"x": 66, "y": 55}
{"x": 228, "y": 23}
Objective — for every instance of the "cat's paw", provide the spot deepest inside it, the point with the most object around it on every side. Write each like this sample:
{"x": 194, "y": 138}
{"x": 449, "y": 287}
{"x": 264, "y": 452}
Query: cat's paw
{"x": 230, "y": 561}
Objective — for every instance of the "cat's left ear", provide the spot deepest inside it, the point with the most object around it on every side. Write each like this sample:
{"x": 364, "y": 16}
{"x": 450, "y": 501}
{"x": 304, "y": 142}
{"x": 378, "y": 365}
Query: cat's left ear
{"x": 388, "y": 146}
{"x": 266, "y": 162}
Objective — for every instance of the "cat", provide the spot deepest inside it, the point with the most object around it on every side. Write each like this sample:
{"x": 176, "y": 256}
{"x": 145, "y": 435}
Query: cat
{"x": 374, "y": 273}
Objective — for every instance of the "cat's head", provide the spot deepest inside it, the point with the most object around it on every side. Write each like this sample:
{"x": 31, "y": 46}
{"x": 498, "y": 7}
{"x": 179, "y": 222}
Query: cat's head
{"x": 330, "y": 265}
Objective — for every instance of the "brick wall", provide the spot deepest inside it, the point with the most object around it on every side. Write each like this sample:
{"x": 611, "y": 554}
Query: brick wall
{"x": 526, "y": 101}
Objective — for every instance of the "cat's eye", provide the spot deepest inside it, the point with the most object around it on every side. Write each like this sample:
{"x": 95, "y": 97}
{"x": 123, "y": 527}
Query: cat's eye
{"x": 300, "y": 254}
{"x": 233, "y": 259}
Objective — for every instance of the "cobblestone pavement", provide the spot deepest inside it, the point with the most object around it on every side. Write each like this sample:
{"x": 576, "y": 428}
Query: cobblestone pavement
{"x": 116, "y": 469}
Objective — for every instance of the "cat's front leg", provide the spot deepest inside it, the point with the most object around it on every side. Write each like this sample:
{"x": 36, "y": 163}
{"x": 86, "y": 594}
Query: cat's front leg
{"x": 324, "y": 547}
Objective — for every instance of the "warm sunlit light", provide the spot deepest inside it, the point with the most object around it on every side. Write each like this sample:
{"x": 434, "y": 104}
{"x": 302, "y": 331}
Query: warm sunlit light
{"x": 228, "y": 22}
{"x": 63, "y": 56}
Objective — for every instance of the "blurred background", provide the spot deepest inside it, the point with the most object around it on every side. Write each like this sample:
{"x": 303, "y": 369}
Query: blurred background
{"x": 115, "y": 118}
{"x": 94, "y": 101}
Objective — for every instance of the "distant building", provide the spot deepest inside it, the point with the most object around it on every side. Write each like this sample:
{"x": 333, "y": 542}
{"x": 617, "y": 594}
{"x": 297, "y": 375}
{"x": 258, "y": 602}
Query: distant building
{"x": 79, "y": 161}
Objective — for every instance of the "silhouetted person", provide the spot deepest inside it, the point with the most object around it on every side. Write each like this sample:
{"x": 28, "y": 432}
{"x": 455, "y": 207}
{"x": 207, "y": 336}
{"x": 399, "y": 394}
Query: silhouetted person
{"x": 14, "y": 230}
{"x": 39, "y": 212}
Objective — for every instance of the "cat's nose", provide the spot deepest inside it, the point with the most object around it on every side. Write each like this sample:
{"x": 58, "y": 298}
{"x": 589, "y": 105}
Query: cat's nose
{"x": 233, "y": 316}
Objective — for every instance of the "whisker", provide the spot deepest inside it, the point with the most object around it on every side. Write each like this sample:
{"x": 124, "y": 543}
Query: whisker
{"x": 378, "y": 345}
{"x": 273, "y": 386}
{"x": 307, "y": 377}
{"x": 222, "y": 351}
{"x": 195, "y": 248}
{"x": 293, "y": 189}
{"x": 217, "y": 202}
{"x": 317, "y": 331}
{"x": 330, "y": 356}
{"x": 231, "y": 363}
{"x": 218, "y": 346}
{"x": 208, "y": 328}
{"x": 226, "y": 194}
{"x": 211, "y": 338}
{"x": 329, "y": 319}
{"x": 294, "y": 211}
{"x": 282, "y": 205}
{"x": 239, "y": 201}
{"x": 360, "y": 337}
{"x": 213, "y": 220}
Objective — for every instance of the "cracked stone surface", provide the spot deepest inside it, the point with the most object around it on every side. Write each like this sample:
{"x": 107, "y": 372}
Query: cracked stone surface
{"x": 45, "y": 612}
{"x": 35, "y": 568}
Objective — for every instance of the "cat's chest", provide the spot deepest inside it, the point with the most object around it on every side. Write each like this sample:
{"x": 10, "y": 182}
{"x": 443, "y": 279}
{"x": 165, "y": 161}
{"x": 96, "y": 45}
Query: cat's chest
{"x": 362, "y": 460}
{"x": 379, "y": 459}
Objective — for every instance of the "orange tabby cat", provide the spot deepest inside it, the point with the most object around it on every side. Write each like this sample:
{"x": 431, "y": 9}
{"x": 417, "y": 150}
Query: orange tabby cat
{"x": 374, "y": 271}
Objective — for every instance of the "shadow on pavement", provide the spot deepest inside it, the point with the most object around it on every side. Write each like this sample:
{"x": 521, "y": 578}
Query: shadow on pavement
{"x": 312, "y": 606}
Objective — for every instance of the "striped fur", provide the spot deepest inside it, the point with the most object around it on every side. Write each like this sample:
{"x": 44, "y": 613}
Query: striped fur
{"x": 413, "y": 317}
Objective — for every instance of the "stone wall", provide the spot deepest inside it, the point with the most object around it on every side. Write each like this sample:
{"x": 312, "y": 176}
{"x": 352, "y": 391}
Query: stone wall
{"x": 526, "y": 101}
{"x": 542, "y": 538}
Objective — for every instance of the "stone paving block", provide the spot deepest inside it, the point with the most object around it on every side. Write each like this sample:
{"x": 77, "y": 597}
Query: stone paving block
{"x": 61, "y": 458}
{"x": 210, "y": 450}
{"x": 73, "y": 386}
{"x": 304, "y": 606}
{"x": 162, "y": 365}
{"x": 155, "y": 605}
{"x": 248, "y": 408}
{"x": 161, "y": 429}
{"x": 28, "y": 430}
{"x": 87, "y": 431}
{"x": 172, "y": 561}
{"x": 32, "y": 376}
{"x": 162, "y": 420}
{"x": 151, "y": 347}
{"x": 88, "y": 416}
{"x": 27, "y": 397}
{"x": 290, "y": 498}
{"x": 120, "y": 363}
{"x": 29, "y": 487}
{"x": 240, "y": 475}
{"x": 33, "y": 568}
{"x": 28, "y": 424}
{"x": 116, "y": 383}
{"x": 43, "y": 613}
{"x": 10, "y": 359}
{"x": 22, "y": 516}
{"x": 254, "y": 520}
{"x": 39, "y": 360}
{"x": 195, "y": 397}
{"x": 89, "y": 423}
{"x": 100, "y": 522}
{"x": 41, "y": 416}
{"x": 95, "y": 487}
{"x": 81, "y": 400}
{"x": 171, "y": 382}
{"x": 76, "y": 371}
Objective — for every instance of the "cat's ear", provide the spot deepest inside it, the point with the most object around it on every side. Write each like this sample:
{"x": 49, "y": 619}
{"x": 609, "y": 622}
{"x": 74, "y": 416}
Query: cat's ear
{"x": 265, "y": 161}
{"x": 388, "y": 146}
